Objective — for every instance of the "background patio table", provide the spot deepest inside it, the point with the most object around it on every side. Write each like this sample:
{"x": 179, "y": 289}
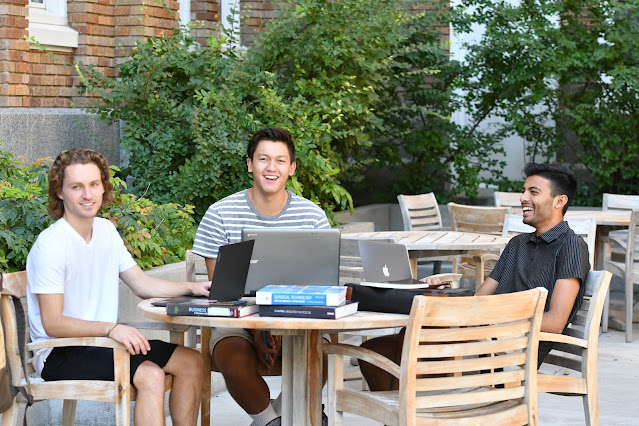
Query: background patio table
{"x": 435, "y": 243}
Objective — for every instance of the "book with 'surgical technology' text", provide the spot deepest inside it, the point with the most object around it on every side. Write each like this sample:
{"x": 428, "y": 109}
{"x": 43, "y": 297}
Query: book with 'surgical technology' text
{"x": 301, "y": 295}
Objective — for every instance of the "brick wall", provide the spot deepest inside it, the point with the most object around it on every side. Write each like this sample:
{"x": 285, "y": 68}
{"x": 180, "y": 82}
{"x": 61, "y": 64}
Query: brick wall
{"x": 108, "y": 30}
{"x": 255, "y": 14}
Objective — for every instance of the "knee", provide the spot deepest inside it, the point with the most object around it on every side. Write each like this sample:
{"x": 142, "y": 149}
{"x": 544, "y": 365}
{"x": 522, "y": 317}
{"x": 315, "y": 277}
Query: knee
{"x": 188, "y": 361}
{"x": 149, "y": 378}
{"x": 235, "y": 356}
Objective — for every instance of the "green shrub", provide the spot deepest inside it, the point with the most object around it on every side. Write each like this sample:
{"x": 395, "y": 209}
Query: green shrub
{"x": 154, "y": 234}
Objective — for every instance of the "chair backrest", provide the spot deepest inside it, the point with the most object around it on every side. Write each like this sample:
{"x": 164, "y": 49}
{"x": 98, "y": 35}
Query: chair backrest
{"x": 454, "y": 344}
{"x": 508, "y": 199}
{"x": 619, "y": 202}
{"x": 585, "y": 227}
{"x": 14, "y": 284}
{"x": 420, "y": 212}
{"x": 195, "y": 267}
{"x": 632, "y": 249}
{"x": 487, "y": 220}
{"x": 584, "y": 327}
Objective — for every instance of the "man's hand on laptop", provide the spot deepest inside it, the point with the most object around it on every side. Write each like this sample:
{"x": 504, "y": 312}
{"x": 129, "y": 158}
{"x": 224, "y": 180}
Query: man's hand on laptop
{"x": 200, "y": 288}
{"x": 433, "y": 281}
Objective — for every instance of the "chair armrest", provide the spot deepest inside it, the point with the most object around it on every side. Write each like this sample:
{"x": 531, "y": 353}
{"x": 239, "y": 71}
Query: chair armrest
{"x": 562, "y": 338}
{"x": 158, "y": 325}
{"x": 362, "y": 354}
{"x": 103, "y": 342}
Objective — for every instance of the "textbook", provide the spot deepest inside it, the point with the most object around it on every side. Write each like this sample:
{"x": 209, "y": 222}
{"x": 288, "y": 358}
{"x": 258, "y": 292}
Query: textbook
{"x": 212, "y": 308}
{"x": 301, "y": 295}
{"x": 320, "y": 312}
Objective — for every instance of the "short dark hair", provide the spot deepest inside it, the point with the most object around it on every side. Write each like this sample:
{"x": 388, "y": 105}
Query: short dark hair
{"x": 562, "y": 180}
{"x": 275, "y": 134}
{"x": 56, "y": 177}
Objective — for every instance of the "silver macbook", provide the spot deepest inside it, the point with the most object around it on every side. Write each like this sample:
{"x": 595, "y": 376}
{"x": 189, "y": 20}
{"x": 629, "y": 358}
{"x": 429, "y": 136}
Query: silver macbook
{"x": 292, "y": 257}
{"x": 385, "y": 262}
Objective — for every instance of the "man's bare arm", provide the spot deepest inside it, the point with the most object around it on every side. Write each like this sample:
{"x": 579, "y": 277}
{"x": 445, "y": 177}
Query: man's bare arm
{"x": 561, "y": 303}
{"x": 210, "y": 266}
{"x": 145, "y": 286}
{"x": 487, "y": 288}
{"x": 56, "y": 324}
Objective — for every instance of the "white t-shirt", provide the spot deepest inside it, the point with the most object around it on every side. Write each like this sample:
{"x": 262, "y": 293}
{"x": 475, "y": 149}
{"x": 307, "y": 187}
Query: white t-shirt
{"x": 87, "y": 274}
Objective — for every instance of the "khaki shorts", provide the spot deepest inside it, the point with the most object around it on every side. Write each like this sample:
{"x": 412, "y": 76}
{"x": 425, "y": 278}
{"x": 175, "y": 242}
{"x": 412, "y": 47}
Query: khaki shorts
{"x": 219, "y": 333}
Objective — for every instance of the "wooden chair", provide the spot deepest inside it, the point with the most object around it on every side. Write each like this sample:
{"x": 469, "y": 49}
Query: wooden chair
{"x": 485, "y": 220}
{"x": 576, "y": 350}
{"x": 619, "y": 202}
{"x": 482, "y": 334}
{"x": 120, "y": 391}
{"x": 508, "y": 199}
{"x": 629, "y": 268}
{"x": 421, "y": 213}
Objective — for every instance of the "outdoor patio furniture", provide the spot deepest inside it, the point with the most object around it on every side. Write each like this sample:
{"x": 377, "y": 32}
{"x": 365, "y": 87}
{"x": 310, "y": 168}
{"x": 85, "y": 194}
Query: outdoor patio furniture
{"x": 629, "y": 268}
{"x": 576, "y": 350}
{"x": 421, "y": 213}
{"x": 120, "y": 391}
{"x": 508, "y": 199}
{"x": 486, "y": 220}
{"x": 446, "y": 337}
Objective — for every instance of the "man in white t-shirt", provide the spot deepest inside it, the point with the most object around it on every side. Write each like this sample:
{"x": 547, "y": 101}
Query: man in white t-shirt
{"x": 73, "y": 272}
{"x": 239, "y": 354}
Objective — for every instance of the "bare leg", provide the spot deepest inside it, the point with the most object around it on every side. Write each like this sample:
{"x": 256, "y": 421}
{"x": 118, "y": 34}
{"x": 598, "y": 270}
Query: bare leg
{"x": 149, "y": 404}
{"x": 236, "y": 359}
{"x": 184, "y": 402}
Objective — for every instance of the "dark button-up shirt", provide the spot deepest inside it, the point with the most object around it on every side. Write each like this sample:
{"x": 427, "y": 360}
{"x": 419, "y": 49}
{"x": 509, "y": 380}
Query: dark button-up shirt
{"x": 530, "y": 261}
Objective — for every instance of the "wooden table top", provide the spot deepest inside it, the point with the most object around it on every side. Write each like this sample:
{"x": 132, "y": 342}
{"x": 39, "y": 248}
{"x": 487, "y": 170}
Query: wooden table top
{"x": 362, "y": 320}
{"x": 437, "y": 240}
{"x": 604, "y": 217}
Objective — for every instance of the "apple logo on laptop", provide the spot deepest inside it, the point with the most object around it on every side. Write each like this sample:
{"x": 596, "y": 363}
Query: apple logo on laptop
{"x": 385, "y": 271}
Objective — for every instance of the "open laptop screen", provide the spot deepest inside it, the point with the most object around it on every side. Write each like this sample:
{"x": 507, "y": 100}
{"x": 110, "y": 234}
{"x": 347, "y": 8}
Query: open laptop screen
{"x": 292, "y": 257}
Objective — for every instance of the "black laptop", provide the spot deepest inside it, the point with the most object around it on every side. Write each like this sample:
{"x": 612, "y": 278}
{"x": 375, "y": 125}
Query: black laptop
{"x": 229, "y": 278}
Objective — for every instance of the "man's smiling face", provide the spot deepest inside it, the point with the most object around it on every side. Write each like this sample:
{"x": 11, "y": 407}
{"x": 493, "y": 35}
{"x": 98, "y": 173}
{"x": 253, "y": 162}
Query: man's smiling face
{"x": 537, "y": 202}
{"x": 271, "y": 167}
{"x": 82, "y": 192}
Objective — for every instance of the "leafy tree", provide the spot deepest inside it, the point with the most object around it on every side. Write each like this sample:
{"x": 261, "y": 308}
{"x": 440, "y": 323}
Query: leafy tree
{"x": 561, "y": 74}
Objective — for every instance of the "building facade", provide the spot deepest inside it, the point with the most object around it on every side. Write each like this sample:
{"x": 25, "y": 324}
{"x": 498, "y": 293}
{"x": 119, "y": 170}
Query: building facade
{"x": 41, "y": 40}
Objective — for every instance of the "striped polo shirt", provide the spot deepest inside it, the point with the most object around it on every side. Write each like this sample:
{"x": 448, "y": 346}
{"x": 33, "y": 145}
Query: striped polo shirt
{"x": 223, "y": 221}
{"x": 530, "y": 261}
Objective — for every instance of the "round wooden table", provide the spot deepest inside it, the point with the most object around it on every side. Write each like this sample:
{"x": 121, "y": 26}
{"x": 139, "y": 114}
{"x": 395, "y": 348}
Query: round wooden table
{"x": 301, "y": 350}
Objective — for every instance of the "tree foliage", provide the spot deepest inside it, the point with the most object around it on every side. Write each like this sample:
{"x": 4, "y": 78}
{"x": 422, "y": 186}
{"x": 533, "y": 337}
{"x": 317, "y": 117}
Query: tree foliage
{"x": 359, "y": 84}
{"x": 563, "y": 75}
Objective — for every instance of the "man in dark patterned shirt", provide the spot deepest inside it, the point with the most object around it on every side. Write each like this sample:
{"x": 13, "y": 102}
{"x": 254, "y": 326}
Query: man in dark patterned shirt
{"x": 553, "y": 257}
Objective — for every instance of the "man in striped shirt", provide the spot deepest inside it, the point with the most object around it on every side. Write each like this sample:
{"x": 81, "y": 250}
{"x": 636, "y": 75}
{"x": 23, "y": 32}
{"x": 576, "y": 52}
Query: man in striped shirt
{"x": 238, "y": 353}
{"x": 553, "y": 257}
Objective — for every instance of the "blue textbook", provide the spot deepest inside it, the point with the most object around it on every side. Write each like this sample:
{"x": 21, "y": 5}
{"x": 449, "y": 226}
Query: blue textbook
{"x": 301, "y": 295}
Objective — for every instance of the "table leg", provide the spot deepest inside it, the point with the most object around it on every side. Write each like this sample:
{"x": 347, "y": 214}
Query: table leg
{"x": 413, "y": 266}
{"x": 302, "y": 379}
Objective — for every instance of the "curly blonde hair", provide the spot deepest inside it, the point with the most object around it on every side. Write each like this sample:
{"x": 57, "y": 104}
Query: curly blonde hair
{"x": 56, "y": 177}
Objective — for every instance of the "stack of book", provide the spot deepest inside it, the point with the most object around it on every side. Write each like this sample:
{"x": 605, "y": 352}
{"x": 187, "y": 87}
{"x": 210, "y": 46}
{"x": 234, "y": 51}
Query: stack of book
{"x": 324, "y": 302}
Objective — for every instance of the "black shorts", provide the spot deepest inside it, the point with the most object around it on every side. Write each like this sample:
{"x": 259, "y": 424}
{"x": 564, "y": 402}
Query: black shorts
{"x": 94, "y": 363}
